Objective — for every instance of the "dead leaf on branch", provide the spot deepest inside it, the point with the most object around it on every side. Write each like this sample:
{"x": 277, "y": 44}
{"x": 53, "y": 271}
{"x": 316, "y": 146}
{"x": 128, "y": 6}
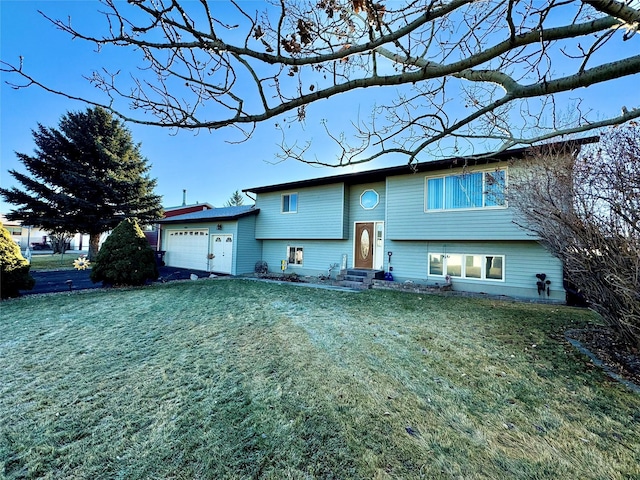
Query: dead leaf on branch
{"x": 291, "y": 45}
{"x": 304, "y": 30}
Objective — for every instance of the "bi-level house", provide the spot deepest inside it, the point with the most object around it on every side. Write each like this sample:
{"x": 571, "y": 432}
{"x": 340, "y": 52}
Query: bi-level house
{"x": 446, "y": 220}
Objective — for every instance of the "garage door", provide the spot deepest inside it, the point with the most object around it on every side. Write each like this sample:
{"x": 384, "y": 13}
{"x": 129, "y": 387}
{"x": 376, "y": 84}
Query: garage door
{"x": 187, "y": 248}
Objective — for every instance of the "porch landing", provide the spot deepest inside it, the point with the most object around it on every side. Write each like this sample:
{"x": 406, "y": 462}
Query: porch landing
{"x": 359, "y": 278}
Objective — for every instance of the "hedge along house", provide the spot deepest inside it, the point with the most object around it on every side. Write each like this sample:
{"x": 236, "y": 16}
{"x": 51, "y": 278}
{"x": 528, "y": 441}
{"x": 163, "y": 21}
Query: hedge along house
{"x": 218, "y": 240}
{"x": 446, "y": 219}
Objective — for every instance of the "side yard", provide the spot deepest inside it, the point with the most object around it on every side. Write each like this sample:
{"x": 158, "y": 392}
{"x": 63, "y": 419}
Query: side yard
{"x": 245, "y": 379}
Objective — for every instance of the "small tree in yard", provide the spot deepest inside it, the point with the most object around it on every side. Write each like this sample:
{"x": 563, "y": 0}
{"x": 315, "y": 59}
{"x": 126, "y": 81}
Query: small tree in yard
{"x": 14, "y": 269}
{"x": 59, "y": 241}
{"x": 586, "y": 210}
{"x": 125, "y": 257}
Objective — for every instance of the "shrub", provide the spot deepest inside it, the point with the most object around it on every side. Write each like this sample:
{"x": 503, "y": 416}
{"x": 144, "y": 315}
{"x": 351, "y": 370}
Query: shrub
{"x": 126, "y": 258}
{"x": 14, "y": 269}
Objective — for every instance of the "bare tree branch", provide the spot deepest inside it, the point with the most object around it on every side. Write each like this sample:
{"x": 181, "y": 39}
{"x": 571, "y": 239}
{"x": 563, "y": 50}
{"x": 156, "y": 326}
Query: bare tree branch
{"x": 462, "y": 70}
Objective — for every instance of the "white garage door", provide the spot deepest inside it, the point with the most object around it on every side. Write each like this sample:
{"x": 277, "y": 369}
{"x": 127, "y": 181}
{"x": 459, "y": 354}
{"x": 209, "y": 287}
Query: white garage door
{"x": 187, "y": 248}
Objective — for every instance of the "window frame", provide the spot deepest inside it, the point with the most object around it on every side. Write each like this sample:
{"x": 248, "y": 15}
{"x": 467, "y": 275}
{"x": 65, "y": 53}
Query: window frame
{"x": 295, "y": 248}
{"x": 485, "y": 191}
{"x": 289, "y": 194}
{"x": 377, "y": 199}
{"x": 463, "y": 267}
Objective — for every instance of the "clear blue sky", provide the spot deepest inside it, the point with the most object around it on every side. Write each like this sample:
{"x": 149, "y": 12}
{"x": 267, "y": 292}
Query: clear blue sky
{"x": 204, "y": 164}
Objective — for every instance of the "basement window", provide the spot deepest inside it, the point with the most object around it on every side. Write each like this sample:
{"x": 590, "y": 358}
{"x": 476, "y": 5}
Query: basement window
{"x": 294, "y": 255}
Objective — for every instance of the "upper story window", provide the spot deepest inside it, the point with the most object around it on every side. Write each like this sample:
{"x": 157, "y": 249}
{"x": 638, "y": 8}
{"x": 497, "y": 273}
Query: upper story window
{"x": 290, "y": 203}
{"x": 369, "y": 199}
{"x": 466, "y": 191}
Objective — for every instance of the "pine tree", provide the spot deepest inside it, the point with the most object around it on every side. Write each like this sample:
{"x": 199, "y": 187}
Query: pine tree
{"x": 125, "y": 257}
{"x": 235, "y": 200}
{"x": 85, "y": 176}
{"x": 14, "y": 269}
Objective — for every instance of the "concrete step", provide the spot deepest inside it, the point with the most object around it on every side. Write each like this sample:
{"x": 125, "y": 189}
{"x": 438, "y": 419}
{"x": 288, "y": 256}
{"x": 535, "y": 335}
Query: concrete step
{"x": 354, "y": 278}
{"x": 355, "y": 285}
{"x": 365, "y": 273}
{"x": 352, "y": 272}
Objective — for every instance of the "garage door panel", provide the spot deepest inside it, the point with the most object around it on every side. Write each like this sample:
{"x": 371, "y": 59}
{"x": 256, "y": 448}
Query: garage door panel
{"x": 187, "y": 249}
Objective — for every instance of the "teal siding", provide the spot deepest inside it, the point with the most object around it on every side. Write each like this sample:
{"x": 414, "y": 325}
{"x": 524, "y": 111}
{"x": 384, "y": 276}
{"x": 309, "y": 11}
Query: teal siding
{"x": 407, "y": 219}
{"x": 359, "y": 214}
{"x": 320, "y": 214}
{"x": 523, "y": 260}
{"x": 248, "y": 250}
{"x": 318, "y": 255}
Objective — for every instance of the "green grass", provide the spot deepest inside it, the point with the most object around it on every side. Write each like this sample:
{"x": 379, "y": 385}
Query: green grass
{"x": 53, "y": 261}
{"x": 240, "y": 379}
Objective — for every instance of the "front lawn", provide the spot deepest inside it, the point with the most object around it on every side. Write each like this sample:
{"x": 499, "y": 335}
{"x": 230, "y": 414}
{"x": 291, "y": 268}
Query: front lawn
{"x": 241, "y": 379}
{"x": 53, "y": 261}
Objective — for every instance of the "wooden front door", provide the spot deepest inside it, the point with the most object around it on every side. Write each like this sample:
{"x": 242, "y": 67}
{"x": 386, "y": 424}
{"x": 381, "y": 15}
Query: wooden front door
{"x": 364, "y": 245}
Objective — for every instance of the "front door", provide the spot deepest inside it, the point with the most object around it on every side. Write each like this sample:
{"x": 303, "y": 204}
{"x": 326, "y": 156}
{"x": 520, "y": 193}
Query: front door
{"x": 364, "y": 245}
{"x": 222, "y": 253}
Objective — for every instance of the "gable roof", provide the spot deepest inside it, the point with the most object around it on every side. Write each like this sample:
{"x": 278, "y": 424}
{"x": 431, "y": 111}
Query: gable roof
{"x": 382, "y": 173}
{"x": 213, "y": 215}
{"x": 184, "y": 209}
{"x": 204, "y": 205}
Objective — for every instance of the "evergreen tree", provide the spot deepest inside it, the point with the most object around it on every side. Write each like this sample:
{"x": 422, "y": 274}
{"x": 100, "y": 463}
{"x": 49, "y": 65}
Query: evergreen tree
{"x": 235, "y": 200}
{"x": 85, "y": 176}
{"x": 14, "y": 269}
{"x": 125, "y": 257}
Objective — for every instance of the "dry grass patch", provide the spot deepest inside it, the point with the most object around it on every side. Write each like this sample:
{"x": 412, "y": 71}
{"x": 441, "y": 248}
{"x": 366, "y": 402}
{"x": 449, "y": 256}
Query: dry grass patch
{"x": 238, "y": 379}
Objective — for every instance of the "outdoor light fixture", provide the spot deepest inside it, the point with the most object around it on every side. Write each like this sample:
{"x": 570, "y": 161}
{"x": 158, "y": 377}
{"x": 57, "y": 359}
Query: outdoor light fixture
{"x": 219, "y": 226}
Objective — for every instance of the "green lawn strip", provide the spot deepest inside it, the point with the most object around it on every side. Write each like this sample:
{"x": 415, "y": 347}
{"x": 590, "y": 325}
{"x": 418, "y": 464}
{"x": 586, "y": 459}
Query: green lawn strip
{"x": 238, "y": 379}
{"x": 53, "y": 261}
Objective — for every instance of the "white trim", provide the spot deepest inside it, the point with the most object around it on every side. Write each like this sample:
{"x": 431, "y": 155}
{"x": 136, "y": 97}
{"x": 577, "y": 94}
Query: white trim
{"x": 425, "y": 191}
{"x": 377, "y": 199}
{"x": 282, "y": 202}
{"x": 287, "y": 256}
{"x": 212, "y": 237}
{"x": 483, "y": 276}
{"x": 378, "y": 252}
{"x": 373, "y": 244}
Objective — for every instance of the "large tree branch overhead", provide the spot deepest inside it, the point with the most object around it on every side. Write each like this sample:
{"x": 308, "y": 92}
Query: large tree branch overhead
{"x": 448, "y": 74}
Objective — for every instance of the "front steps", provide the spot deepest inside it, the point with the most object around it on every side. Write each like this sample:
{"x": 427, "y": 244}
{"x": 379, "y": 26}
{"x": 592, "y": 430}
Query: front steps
{"x": 359, "y": 278}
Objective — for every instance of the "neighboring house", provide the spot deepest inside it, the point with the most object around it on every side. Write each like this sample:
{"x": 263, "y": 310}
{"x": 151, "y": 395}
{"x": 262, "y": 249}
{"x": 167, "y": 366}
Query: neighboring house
{"x": 37, "y": 238}
{"x": 220, "y": 240}
{"x": 151, "y": 231}
{"x": 434, "y": 222}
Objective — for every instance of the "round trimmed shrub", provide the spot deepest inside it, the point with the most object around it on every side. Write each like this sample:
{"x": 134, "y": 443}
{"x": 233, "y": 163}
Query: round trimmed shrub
{"x": 14, "y": 269}
{"x": 126, "y": 258}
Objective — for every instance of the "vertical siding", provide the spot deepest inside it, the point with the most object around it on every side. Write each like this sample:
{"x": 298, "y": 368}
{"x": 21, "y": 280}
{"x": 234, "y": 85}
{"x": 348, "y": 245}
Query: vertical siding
{"x": 320, "y": 214}
{"x": 248, "y": 249}
{"x": 346, "y": 217}
{"x": 523, "y": 260}
{"x": 407, "y": 220}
